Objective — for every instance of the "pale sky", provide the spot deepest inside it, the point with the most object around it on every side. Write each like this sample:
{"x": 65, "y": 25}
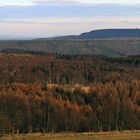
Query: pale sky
{"x": 29, "y": 2}
{"x": 44, "y": 18}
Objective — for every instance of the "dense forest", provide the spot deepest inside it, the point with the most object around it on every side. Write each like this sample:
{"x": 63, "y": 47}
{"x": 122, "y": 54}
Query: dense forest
{"x": 63, "y": 93}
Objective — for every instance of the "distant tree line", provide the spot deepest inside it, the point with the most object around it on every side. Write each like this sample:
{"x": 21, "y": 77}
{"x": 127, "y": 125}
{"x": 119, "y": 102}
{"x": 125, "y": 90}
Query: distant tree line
{"x": 62, "y": 69}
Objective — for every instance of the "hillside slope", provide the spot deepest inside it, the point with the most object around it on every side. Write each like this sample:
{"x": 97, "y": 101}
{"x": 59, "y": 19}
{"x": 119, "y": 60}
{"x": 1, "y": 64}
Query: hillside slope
{"x": 112, "y": 47}
{"x": 104, "y": 34}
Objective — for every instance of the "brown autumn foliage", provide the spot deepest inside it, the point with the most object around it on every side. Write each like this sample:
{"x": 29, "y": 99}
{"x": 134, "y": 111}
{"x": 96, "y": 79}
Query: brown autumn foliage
{"x": 68, "y": 93}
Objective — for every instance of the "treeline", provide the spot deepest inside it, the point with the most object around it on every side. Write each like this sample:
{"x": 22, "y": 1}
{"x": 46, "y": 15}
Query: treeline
{"x": 57, "y": 108}
{"x": 61, "y": 69}
{"x": 58, "y": 93}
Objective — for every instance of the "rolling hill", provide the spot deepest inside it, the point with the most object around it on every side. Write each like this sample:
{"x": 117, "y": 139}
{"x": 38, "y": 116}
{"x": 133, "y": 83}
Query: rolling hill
{"x": 104, "y": 34}
{"x": 112, "y": 47}
{"x": 109, "y": 42}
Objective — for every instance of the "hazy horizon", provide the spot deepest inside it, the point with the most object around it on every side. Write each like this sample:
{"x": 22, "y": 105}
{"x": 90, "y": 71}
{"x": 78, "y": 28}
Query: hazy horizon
{"x": 48, "y": 18}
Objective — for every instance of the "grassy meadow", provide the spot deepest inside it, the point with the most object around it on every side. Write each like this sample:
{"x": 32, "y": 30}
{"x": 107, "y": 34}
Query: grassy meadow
{"x": 77, "y": 136}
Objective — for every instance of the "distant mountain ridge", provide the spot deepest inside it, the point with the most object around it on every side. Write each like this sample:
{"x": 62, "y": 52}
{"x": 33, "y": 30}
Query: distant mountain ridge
{"x": 95, "y": 34}
{"x": 103, "y": 34}
{"x": 15, "y": 37}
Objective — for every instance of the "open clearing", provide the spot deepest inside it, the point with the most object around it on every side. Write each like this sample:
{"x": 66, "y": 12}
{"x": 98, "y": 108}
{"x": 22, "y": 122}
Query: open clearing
{"x": 79, "y": 136}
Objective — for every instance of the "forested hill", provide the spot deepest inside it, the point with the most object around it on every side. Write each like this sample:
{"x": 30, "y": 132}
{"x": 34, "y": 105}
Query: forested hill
{"x": 105, "y": 33}
{"x": 105, "y": 47}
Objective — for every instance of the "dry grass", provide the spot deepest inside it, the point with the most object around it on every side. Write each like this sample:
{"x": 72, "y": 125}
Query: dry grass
{"x": 125, "y": 135}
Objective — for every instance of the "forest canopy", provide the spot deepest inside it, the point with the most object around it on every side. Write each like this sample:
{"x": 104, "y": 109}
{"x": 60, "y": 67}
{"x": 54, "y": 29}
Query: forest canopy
{"x": 62, "y": 93}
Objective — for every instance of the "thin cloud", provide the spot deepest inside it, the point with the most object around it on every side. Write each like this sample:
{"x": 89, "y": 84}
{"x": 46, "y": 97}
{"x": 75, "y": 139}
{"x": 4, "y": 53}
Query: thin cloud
{"x": 63, "y": 26}
{"x": 56, "y": 1}
{"x": 132, "y": 2}
{"x": 45, "y": 11}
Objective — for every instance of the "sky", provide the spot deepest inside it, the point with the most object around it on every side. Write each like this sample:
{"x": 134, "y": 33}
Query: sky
{"x": 46, "y": 18}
